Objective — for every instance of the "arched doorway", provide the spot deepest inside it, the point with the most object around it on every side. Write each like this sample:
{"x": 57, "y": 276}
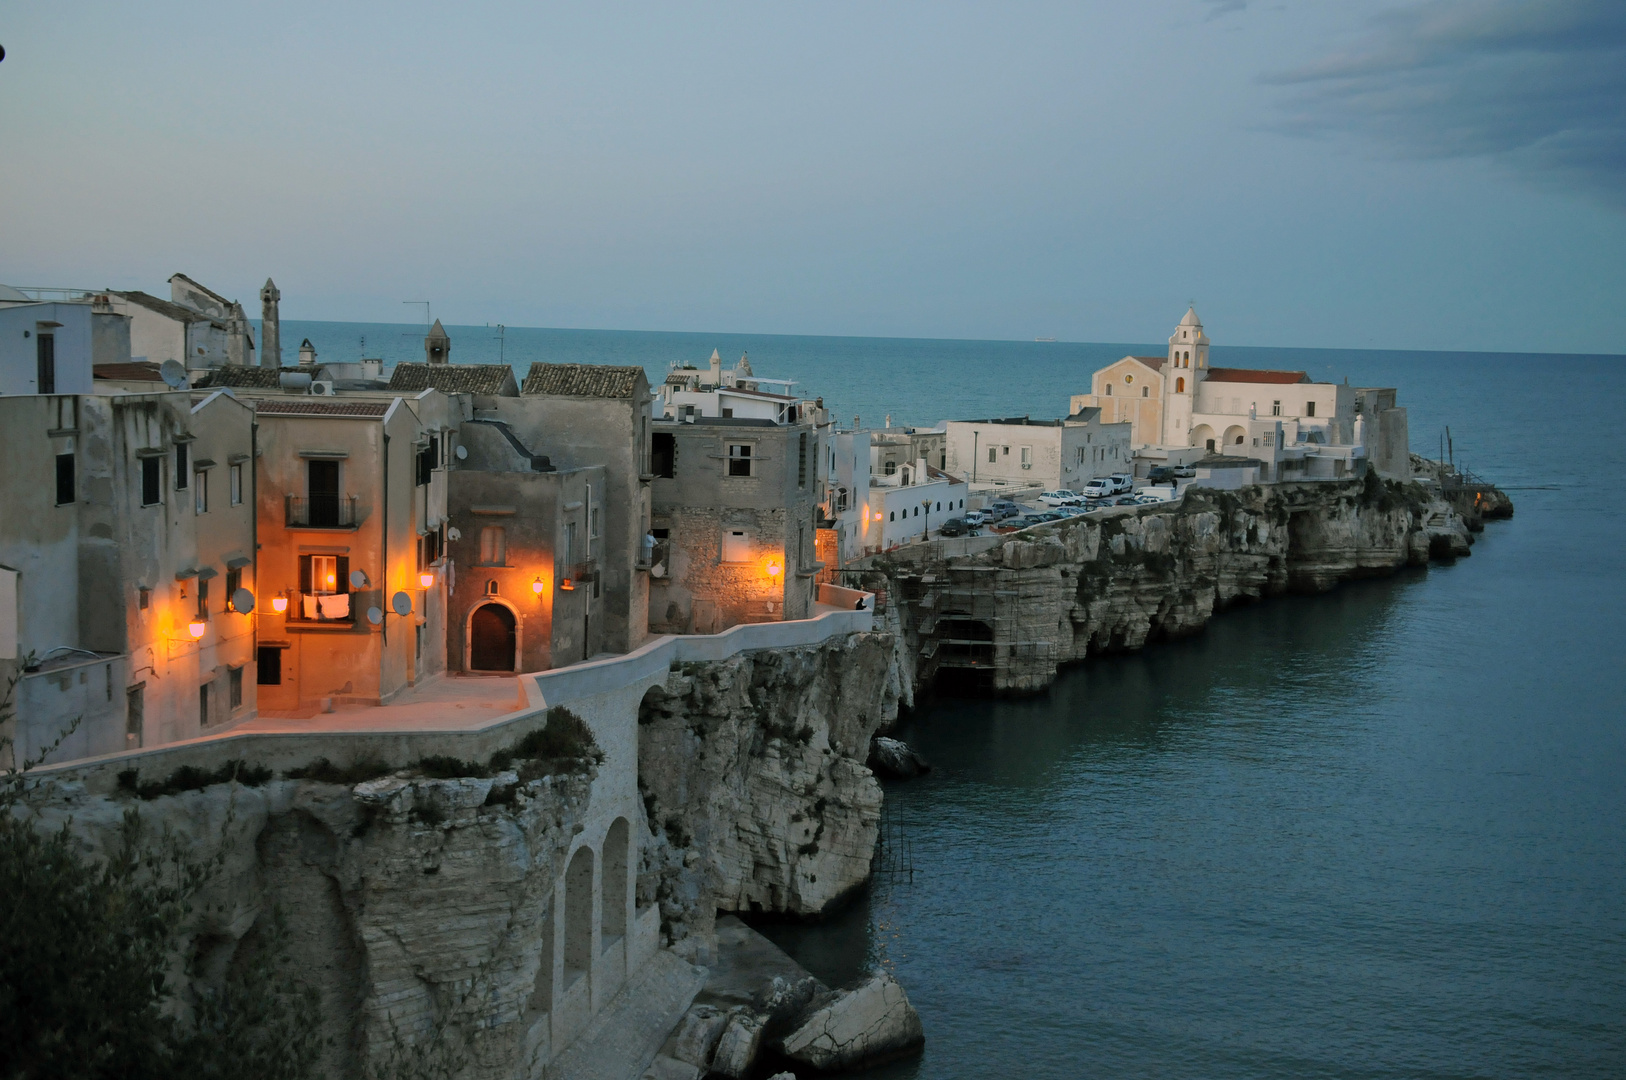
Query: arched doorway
{"x": 493, "y": 636}
{"x": 1235, "y": 435}
{"x": 1203, "y": 435}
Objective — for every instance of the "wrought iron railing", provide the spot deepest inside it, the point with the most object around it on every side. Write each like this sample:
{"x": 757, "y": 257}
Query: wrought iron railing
{"x": 322, "y": 511}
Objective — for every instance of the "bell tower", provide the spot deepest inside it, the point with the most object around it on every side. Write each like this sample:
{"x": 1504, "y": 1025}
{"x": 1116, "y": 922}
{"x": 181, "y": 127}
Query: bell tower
{"x": 1185, "y": 367}
{"x": 437, "y": 347}
{"x": 270, "y": 326}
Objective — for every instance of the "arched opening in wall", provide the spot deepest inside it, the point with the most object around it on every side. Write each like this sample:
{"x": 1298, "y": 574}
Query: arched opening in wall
{"x": 579, "y": 915}
{"x": 541, "y": 1001}
{"x": 492, "y": 638}
{"x": 1203, "y": 435}
{"x": 1235, "y": 435}
{"x": 612, "y": 920}
{"x": 963, "y": 641}
{"x": 1180, "y": 386}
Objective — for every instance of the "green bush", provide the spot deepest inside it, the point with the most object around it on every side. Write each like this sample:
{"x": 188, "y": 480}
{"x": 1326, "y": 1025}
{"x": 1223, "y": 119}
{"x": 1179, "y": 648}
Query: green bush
{"x": 192, "y": 778}
{"x": 324, "y": 771}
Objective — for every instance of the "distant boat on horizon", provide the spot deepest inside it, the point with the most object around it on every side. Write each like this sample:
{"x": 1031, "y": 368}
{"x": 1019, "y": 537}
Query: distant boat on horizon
{"x": 1044, "y": 339}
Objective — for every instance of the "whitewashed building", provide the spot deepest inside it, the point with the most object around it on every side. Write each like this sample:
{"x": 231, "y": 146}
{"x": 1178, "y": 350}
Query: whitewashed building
{"x": 1019, "y": 451}
{"x": 911, "y": 504}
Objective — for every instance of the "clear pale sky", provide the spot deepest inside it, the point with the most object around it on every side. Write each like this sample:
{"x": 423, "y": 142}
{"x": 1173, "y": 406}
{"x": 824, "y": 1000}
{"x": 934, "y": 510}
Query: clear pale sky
{"x": 1441, "y": 175}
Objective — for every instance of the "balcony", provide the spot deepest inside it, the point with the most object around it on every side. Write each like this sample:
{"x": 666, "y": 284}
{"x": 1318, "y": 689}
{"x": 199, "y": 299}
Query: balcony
{"x": 322, "y": 512}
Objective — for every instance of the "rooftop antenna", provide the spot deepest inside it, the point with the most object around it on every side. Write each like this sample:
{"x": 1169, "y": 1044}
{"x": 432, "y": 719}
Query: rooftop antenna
{"x": 501, "y": 342}
{"x": 425, "y": 304}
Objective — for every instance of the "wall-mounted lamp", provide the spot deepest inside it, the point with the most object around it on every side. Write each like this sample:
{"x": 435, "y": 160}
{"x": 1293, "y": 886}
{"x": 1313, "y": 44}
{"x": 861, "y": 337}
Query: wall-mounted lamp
{"x": 427, "y": 579}
{"x": 279, "y": 603}
{"x": 775, "y": 568}
{"x": 537, "y": 586}
{"x": 196, "y": 628}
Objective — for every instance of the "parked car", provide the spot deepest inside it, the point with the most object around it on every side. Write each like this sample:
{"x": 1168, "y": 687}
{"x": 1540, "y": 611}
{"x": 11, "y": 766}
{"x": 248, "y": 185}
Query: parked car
{"x": 1184, "y": 472}
{"x": 1160, "y": 474}
{"x": 1099, "y": 488}
{"x": 953, "y": 527}
{"x": 1070, "y": 511}
{"x": 1126, "y": 500}
{"x": 1061, "y": 497}
{"x": 1000, "y": 509}
{"x": 1012, "y": 524}
{"x": 975, "y": 519}
{"x": 1148, "y": 500}
{"x": 1122, "y": 483}
{"x": 1046, "y": 516}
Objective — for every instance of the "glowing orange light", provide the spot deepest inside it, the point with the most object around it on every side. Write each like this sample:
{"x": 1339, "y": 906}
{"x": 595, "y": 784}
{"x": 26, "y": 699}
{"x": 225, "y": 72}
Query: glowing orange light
{"x": 774, "y": 568}
{"x": 279, "y": 603}
{"x": 196, "y": 627}
{"x": 537, "y": 586}
{"x": 567, "y": 585}
{"x": 427, "y": 579}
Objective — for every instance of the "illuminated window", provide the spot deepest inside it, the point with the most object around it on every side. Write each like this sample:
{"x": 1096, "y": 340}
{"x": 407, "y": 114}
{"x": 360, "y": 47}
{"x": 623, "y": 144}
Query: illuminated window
{"x": 494, "y": 545}
{"x": 237, "y": 485}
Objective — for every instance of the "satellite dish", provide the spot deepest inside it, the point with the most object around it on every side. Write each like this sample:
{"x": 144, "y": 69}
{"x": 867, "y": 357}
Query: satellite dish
{"x": 453, "y": 534}
{"x": 358, "y": 579}
{"x": 374, "y": 616}
{"x": 462, "y": 452}
{"x": 242, "y": 601}
{"x": 402, "y": 603}
{"x": 173, "y": 374}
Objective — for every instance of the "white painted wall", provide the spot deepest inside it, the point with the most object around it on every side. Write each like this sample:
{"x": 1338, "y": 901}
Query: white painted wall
{"x": 19, "y": 347}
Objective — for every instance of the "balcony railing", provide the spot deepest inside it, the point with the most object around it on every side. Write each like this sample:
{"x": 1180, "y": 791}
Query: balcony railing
{"x": 322, "y": 512}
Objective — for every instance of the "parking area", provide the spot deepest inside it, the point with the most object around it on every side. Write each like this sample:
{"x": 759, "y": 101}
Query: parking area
{"x": 1005, "y": 515}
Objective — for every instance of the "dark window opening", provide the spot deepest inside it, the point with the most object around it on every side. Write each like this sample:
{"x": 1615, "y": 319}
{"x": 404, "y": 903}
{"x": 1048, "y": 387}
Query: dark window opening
{"x": 181, "y": 470}
{"x": 663, "y": 454}
{"x": 323, "y": 490}
{"x": 801, "y": 461}
{"x": 203, "y": 704}
{"x": 143, "y": 598}
{"x": 739, "y": 459}
{"x": 234, "y": 581}
{"x": 235, "y": 680}
{"x": 152, "y": 480}
{"x": 64, "y": 479}
{"x": 45, "y": 358}
{"x": 1309, "y": 408}
{"x": 428, "y": 458}
{"x": 268, "y": 666}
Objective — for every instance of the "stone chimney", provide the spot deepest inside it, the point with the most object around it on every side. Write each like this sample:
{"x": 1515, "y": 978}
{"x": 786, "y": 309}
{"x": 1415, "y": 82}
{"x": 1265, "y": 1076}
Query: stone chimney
{"x": 437, "y": 347}
{"x": 270, "y": 326}
{"x": 307, "y": 353}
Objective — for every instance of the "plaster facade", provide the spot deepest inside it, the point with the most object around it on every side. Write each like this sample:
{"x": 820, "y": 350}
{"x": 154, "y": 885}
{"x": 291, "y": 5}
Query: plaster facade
{"x": 52, "y": 347}
{"x": 1052, "y": 453}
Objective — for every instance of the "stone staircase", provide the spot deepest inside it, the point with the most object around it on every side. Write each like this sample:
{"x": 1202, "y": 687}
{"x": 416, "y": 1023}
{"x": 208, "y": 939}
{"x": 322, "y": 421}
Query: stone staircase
{"x": 627, "y": 1033}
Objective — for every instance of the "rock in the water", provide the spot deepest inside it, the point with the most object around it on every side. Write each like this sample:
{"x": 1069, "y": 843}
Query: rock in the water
{"x": 737, "y": 1050}
{"x": 852, "y": 1028}
{"x": 895, "y": 760}
{"x": 696, "y": 1035}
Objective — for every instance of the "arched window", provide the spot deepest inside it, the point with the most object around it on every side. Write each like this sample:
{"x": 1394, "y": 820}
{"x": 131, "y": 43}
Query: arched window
{"x": 893, "y": 516}
{"x": 1109, "y": 389}
{"x": 1146, "y": 391}
{"x": 1179, "y": 386}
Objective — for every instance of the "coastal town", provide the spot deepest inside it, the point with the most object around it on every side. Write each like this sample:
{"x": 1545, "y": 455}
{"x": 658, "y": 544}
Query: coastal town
{"x": 211, "y": 555}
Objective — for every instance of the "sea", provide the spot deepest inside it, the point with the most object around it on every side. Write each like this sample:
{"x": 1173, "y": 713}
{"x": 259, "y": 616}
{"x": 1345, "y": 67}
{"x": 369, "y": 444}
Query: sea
{"x": 1375, "y": 833}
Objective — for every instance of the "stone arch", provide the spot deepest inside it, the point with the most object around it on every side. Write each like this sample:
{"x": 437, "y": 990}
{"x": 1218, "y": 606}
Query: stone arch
{"x": 615, "y": 860}
{"x": 1180, "y": 386}
{"x": 1235, "y": 435}
{"x": 501, "y": 618}
{"x": 579, "y": 915}
{"x": 1203, "y": 435}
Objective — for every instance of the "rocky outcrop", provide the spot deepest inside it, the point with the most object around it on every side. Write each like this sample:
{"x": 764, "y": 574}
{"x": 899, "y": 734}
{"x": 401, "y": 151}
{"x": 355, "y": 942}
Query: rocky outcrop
{"x": 1017, "y": 610}
{"x": 894, "y": 760}
{"x": 753, "y": 777}
{"x": 850, "y": 1029}
{"x": 412, "y": 904}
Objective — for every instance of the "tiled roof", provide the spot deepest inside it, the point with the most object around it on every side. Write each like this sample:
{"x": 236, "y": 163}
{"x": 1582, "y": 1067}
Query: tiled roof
{"x": 1225, "y": 374}
{"x": 582, "y": 380}
{"x": 240, "y": 375}
{"x": 454, "y": 378}
{"x": 306, "y": 407}
{"x": 134, "y": 371}
{"x": 1154, "y": 362}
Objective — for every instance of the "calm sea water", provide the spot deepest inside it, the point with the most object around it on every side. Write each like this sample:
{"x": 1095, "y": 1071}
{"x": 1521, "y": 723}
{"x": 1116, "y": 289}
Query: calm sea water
{"x": 1376, "y": 833}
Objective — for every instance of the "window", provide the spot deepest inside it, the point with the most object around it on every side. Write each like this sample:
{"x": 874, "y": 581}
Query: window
{"x": 494, "y": 546}
{"x": 492, "y": 588}
{"x": 570, "y": 542}
{"x": 200, "y": 496}
{"x": 234, "y": 683}
{"x": 1179, "y": 386}
{"x": 736, "y": 546}
{"x": 728, "y": 413}
{"x": 1109, "y": 389}
{"x": 64, "y": 479}
{"x": 890, "y": 467}
{"x": 993, "y": 454}
{"x": 181, "y": 470}
{"x": 592, "y": 533}
{"x": 325, "y": 575}
{"x": 237, "y": 485}
{"x": 801, "y": 460}
{"x": 739, "y": 459}
{"x": 45, "y": 362}
{"x": 203, "y": 704}
{"x": 428, "y": 458}
{"x": 322, "y": 487}
{"x": 1275, "y": 408}
{"x": 234, "y": 581}
{"x": 268, "y": 666}
{"x": 663, "y": 454}
{"x": 152, "y": 481}
{"x": 203, "y": 597}
{"x": 143, "y": 598}
{"x": 428, "y": 549}
{"x": 1146, "y": 391}
{"x": 1129, "y": 378}
{"x": 1027, "y": 457}
{"x": 1005, "y": 450}
{"x": 1309, "y": 408}
{"x": 893, "y": 516}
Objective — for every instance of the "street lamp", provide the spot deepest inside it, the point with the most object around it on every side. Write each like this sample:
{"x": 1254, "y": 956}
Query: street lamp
{"x": 926, "y": 509}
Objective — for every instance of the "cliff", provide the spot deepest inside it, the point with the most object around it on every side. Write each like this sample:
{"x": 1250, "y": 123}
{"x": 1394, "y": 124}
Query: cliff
{"x": 1010, "y": 611}
{"x": 753, "y": 777}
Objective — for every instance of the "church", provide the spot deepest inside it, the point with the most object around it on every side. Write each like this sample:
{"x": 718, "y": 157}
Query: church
{"x": 1178, "y": 402}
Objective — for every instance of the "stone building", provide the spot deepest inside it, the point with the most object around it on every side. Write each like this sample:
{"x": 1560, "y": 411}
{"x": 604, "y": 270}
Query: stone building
{"x": 52, "y": 347}
{"x": 352, "y": 525}
{"x": 1052, "y": 454}
{"x": 733, "y": 515}
{"x": 127, "y": 536}
{"x": 196, "y": 327}
{"x": 526, "y": 553}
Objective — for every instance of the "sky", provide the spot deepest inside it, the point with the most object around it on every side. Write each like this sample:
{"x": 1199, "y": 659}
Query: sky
{"x": 1367, "y": 174}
